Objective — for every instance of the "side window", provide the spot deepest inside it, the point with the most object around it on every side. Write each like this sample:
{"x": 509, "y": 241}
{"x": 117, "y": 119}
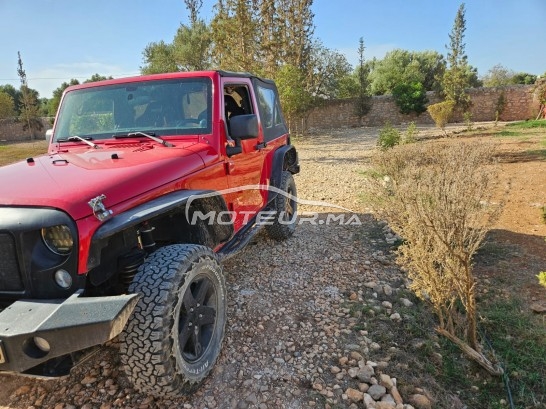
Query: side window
{"x": 270, "y": 108}
{"x": 270, "y": 111}
{"x": 236, "y": 101}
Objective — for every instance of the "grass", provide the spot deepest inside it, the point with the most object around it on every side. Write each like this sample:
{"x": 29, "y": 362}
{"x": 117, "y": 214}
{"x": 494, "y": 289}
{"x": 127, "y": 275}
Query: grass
{"x": 14, "y": 152}
{"x": 519, "y": 340}
{"x": 527, "y": 124}
{"x": 505, "y": 133}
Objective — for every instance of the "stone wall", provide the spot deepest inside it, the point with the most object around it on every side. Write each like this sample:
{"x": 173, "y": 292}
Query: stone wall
{"x": 11, "y": 130}
{"x": 520, "y": 104}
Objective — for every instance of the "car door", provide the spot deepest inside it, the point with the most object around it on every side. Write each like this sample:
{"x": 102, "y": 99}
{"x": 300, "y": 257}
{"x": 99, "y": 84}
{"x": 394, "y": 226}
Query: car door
{"x": 245, "y": 168}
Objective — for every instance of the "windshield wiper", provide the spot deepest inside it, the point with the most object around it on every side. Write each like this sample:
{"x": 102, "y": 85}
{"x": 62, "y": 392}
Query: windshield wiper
{"x": 86, "y": 140}
{"x": 150, "y": 135}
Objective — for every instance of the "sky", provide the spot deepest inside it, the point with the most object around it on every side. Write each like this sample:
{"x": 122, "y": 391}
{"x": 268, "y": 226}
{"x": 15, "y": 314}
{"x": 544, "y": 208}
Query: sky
{"x": 64, "y": 39}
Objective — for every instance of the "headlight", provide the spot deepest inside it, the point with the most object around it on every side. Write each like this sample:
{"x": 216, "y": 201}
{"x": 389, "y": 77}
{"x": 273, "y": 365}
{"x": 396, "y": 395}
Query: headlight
{"x": 58, "y": 239}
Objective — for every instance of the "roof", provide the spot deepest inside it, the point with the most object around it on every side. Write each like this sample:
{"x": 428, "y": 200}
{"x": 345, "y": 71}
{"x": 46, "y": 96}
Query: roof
{"x": 171, "y": 75}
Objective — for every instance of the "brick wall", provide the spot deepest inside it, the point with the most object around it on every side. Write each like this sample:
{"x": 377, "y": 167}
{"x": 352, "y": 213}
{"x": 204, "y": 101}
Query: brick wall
{"x": 521, "y": 104}
{"x": 12, "y": 130}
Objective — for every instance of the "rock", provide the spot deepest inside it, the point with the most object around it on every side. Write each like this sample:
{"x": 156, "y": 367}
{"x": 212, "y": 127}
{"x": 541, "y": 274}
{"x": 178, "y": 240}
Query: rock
{"x": 388, "y": 398}
{"x": 353, "y": 372}
{"x": 387, "y": 289}
{"x": 538, "y": 308}
{"x": 370, "y": 284}
{"x": 377, "y": 391}
{"x": 396, "y": 395}
{"x": 87, "y": 380}
{"x": 335, "y": 370}
{"x": 357, "y": 356}
{"x": 395, "y": 317}
{"x": 385, "y": 380}
{"x": 387, "y": 304}
{"x": 22, "y": 390}
{"x": 365, "y": 374}
{"x": 385, "y": 405}
{"x": 363, "y": 387}
{"x": 354, "y": 395}
{"x": 369, "y": 402}
{"x": 405, "y": 302}
{"x": 420, "y": 401}
{"x": 343, "y": 360}
{"x": 317, "y": 386}
{"x": 353, "y": 297}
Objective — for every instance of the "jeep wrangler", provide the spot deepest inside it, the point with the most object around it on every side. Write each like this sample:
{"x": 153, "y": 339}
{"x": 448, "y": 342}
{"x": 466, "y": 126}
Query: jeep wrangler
{"x": 120, "y": 229}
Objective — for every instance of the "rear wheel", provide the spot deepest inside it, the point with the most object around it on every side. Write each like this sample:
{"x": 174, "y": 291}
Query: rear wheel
{"x": 286, "y": 208}
{"x": 175, "y": 333}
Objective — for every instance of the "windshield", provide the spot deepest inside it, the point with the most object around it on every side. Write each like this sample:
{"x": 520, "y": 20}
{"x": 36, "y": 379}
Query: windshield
{"x": 179, "y": 106}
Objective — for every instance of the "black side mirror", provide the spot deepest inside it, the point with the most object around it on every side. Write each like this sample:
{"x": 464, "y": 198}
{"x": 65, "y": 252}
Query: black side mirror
{"x": 244, "y": 126}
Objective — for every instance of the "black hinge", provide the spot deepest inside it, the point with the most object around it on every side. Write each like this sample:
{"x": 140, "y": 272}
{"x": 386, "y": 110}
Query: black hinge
{"x": 260, "y": 146}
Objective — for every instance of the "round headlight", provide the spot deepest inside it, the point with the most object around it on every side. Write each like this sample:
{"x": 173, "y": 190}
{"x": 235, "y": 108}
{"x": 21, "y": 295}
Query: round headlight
{"x": 58, "y": 239}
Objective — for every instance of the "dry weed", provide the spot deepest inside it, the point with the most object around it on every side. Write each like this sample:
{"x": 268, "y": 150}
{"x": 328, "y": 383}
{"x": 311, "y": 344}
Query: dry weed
{"x": 437, "y": 198}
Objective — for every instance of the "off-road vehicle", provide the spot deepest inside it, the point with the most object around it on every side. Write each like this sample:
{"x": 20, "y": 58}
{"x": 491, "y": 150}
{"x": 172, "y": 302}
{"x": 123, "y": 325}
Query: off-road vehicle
{"x": 120, "y": 229}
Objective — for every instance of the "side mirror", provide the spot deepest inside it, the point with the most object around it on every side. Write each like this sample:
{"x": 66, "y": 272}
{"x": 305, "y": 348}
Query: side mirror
{"x": 244, "y": 126}
{"x": 48, "y": 135}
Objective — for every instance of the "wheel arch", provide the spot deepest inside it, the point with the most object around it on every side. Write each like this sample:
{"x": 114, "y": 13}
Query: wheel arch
{"x": 183, "y": 203}
{"x": 285, "y": 158}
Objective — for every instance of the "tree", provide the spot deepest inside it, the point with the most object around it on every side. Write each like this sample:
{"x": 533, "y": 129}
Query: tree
{"x": 402, "y": 66}
{"x": 192, "y": 47}
{"x": 524, "y": 78}
{"x": 325, "y": 69}
{"x": 97, "y": 77}
{"x": 235, "y": 33}
{"x": 29, "y": 102}
{"x": 193, "y": 44}
{"x": 15, "y": 95}
{"x": 410, "y": 97}
{"x": 296, "y": 100}
{"x": 498, "y": 76}
{"x": 158, "y": 58}
{"x": 7, "y": 107}
{"x": 456, "y": 77}
{"x": 55, "y": 100}
{"x": 362, "y": 104}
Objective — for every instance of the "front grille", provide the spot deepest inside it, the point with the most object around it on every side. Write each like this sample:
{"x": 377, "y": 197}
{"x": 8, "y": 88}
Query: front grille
{"x": 10, "y": 277}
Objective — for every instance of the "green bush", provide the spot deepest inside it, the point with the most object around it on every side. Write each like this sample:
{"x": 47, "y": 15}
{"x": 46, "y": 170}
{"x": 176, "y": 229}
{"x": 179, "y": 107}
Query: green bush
{"x": 410, "y": 97}
{"x": 388, "y": 137}
{"x": 411, "y": 134}
{"x": 441, "y": 113}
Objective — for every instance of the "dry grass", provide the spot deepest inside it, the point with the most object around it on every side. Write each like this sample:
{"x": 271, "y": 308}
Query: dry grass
{"x": 14, "y": 152}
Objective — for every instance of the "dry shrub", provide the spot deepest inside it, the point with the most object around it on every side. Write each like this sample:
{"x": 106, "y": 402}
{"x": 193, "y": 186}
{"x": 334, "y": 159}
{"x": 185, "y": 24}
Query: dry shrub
{"x": 441, "y": 113}
{"x": 437, "y": 197}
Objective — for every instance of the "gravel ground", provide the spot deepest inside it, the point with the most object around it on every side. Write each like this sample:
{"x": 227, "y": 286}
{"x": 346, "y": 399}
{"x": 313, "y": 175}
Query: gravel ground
{"x": 293, "y": 338}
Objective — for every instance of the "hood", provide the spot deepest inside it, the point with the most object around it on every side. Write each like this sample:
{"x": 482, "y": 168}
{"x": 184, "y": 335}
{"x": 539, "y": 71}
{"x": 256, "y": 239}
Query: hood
{"x": 68, "y": 180}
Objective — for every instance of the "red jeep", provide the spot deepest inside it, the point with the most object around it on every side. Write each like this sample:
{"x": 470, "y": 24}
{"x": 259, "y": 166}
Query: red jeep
{"x": 149, "y": 182}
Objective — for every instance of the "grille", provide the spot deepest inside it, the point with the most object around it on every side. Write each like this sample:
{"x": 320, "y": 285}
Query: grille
{"x": 10, "y": 278}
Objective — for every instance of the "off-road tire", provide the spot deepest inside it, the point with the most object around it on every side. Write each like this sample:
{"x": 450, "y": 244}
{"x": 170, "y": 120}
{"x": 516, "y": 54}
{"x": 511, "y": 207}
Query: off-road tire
{"x": 285, "y": 208}
{"x": 182, "y": 288}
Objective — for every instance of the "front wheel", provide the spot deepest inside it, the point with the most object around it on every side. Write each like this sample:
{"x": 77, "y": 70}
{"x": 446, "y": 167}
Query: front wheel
{"x": 175, "y": 333}
{"x": 286, "y": 208}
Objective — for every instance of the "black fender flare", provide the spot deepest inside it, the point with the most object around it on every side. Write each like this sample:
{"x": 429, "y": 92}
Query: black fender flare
{"x": 285, "y": 158}
{"x": 174, "y": 201}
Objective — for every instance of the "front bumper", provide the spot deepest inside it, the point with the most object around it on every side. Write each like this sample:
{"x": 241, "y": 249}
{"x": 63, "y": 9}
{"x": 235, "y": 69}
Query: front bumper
{"x": 65, "y": 325}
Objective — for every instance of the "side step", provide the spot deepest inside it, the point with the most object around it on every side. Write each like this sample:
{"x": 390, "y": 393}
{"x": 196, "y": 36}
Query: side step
{"x": 239, "y": 240}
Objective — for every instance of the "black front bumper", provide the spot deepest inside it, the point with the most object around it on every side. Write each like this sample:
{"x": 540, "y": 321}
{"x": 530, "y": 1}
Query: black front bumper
{"x": 65, "y": 325}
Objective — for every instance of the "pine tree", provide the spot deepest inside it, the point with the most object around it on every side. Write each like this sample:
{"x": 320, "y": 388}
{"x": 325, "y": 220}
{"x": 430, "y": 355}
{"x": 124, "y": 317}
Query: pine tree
{"x": 30, "y": 109}
{"x": 363, "y": 100}
{"x": 456, "y": 77}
